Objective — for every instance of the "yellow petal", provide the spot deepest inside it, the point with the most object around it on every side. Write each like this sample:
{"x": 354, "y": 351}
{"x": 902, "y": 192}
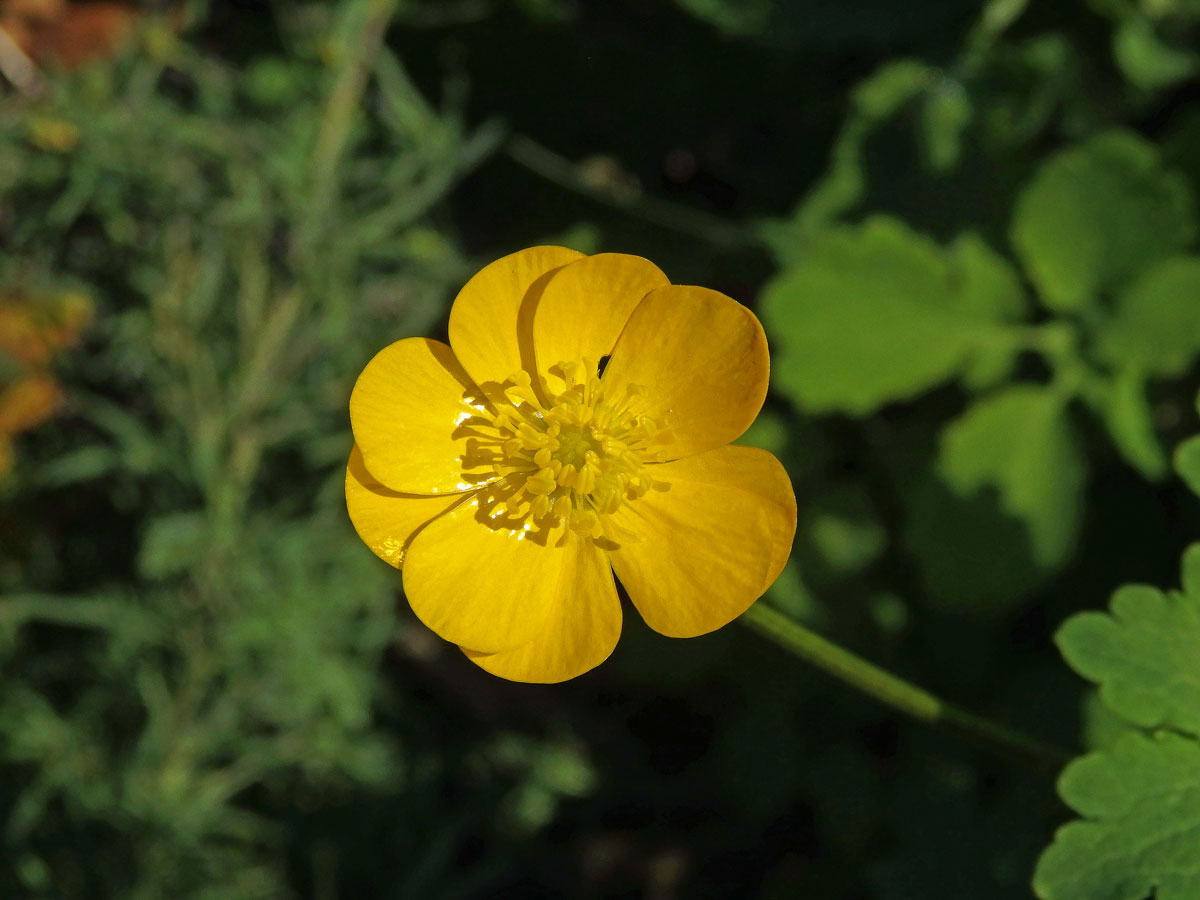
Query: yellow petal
{"x": 702, "y": 358}
{"x": 586, "y": 304}
{"x": 491, "y": 320}
{"x": 711, "y": 544}
{"x": 483, "y": 587}
{"x": 385, "y": 519}
{"x": 411, "y": 411}
{"x": 580, "y": 633}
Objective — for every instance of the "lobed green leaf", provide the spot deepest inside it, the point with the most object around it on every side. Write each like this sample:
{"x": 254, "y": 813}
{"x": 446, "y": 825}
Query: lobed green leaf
{"x": 1140, "y": 795}
{"x": 1144, "y": 652}
{"x": 1187, "y": 462}
{"x": 881, "y": 313}
{"x": 1130, "y": 422}
{"x": 1155, "y": 324}
{"x": 1148, "y": 61}
{"x": 1098, "y": 215}
{"x": 1020, "y": 443}
{"x": 1141, "y": 832}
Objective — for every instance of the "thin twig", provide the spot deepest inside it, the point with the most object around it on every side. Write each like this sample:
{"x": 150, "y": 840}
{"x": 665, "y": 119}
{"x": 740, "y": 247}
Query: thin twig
{"x": 560, "y": 170}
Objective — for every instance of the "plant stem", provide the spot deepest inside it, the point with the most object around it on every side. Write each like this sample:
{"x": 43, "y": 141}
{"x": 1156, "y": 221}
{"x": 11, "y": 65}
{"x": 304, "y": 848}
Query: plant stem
{"x": 365, "y": 26}
{"x": 629, "y": 198}
{"x": 900, "y": 694}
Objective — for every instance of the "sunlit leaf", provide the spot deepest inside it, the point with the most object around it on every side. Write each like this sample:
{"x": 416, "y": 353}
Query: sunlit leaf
{"x": 172, "y": 544}
{"x": 1146, "y": 60}
{"x": 1130, "y": 422}
{"x": 1096, "y": 216}
{"x": 880, "y": 313}
{"x": 1187, "y": 462}
{"x": 1155, "y": 323}
{"x": 1020, "y": 444}
{"x": 1139, "y": 797}
{"x": 990, "y": 288}
{"x": 1140, "y": 832}
{"x": 945, "y": 115}
{"x": 1002, "y": 508}
{"x": 1144, "y": 652}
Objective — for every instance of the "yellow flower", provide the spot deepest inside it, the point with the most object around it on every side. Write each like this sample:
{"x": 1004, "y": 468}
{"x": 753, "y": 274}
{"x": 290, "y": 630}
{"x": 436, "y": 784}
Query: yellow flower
{"x": 27, "y": 403}
{"x": 511, "y": 476}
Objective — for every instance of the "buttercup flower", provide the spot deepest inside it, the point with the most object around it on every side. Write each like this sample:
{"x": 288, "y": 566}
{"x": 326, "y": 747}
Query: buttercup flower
{"x": 577, "y": 425}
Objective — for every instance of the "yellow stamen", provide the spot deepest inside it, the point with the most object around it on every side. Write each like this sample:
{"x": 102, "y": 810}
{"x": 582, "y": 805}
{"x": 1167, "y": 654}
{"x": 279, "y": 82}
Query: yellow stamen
{"x": 567, "y": 461}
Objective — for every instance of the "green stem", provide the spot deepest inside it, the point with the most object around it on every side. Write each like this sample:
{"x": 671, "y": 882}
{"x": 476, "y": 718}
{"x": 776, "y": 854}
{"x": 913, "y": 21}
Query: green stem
{"x": 900, "y": 694}
{"x": 626, "y": 197}
{"x": 365, "y": 26}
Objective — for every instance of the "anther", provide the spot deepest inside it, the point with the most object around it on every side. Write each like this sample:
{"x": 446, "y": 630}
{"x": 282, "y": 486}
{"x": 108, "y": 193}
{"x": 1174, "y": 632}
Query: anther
{"x": 567, "y": 460}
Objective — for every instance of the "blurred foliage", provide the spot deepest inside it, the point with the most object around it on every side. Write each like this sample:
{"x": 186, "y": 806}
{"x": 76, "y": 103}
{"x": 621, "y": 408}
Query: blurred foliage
{"x": 1101, "y": 230}
{"x": 32, "y": 331}
{"x": 969, "y": 229}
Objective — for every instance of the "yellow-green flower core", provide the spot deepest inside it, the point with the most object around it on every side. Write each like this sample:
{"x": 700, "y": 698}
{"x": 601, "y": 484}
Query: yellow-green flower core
{"x": 566, "y": 458}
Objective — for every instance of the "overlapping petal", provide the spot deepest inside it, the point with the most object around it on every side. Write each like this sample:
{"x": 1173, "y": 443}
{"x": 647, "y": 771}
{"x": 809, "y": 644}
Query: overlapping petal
{"x": 487, "y": 588}
{"x": 580, "y": 632}
{"x": 693, "y": 556}
{"x": 702, "y": 359}
{"x": 585, "y": 305}
{"x": 387, "y": 520}
{"x": 406, "y": 411}
{"x": 711, "y": 544}
{"x": 491, "y": 320}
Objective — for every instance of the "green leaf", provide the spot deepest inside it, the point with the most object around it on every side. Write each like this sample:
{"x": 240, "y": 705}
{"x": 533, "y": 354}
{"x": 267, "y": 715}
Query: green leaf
{"x": 1155, "y": 324}
{"x": 873, "y": 102}
{"x": 1187, "y": 463}
{"x": 84, "y": 464}
{"x": 1002, "y": 507}
{"x": 733, "y": 17}
{"x": 1100, "y": 727}
{"x": 1019, "y": 443}
{"x": 1140, "y": 835}
{"x": 1146, "y": 60}
{"x": 1130, "y": 423}
{"x": 998, "y": 15}
{"x": 171, "y": 544}
{"x": 991, "y": 288}
{"x": 1096, "y": 216}
{"x": 1143, "y": 654}
{"x": 1187, "y": 459}
{"x": 1140, "y": 796}
{"x": 945, "y": 115}
{"x": 880, "y": 313}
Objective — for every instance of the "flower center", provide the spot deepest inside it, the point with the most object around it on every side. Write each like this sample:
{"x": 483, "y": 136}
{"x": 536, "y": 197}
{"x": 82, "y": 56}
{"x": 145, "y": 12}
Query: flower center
{"x": 568, "y": 461}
